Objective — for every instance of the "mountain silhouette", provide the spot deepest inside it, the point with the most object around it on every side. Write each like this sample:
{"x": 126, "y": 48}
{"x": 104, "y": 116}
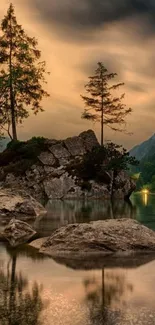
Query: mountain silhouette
{"x": 144, "y": 150}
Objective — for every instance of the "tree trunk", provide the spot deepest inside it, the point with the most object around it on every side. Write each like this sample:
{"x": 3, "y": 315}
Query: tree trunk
{"x": 12, "y": 290}
{"x": 12, "y": 101}
{"x": 102, "y": 128}
{"x": 102, "y": 105}
{"x": 112, "y": 183}
{"x": 103, "y": 297}
{"x": 13, "y": 117}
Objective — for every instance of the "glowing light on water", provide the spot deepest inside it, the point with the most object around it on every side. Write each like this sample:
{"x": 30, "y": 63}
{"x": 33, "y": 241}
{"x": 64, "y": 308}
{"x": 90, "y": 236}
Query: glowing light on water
{"x": 145, "y": 193}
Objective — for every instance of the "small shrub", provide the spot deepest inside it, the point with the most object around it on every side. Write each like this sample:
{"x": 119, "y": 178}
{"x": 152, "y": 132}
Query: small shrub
{"x": 99, "y": 161}
{"x": 15, "y": 145}
{"x": 21, "y": 155}
{"x": 18, "y": 168}
{"x": 86, "y": 186}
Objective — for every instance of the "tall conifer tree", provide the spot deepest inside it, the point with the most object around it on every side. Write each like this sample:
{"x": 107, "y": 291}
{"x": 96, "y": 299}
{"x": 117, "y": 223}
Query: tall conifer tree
{"x": 101, "y": 105}
{"x": 21, "y": 74}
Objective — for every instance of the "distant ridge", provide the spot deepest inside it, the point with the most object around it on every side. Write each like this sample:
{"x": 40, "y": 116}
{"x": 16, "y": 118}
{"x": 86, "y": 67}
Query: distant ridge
{"x": 144, "y": 150}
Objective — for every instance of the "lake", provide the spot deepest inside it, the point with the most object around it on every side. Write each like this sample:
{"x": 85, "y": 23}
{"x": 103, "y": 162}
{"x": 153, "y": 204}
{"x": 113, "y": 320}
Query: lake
{"x": 37, "y": 290}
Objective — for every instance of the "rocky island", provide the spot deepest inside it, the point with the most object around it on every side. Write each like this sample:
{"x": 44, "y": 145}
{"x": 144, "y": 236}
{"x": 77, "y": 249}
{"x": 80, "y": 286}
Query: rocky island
{"x": 46, "y": 169}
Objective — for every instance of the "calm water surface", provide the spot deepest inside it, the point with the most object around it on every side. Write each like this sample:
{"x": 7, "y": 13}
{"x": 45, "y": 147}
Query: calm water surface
{"x": 36, "y": 290}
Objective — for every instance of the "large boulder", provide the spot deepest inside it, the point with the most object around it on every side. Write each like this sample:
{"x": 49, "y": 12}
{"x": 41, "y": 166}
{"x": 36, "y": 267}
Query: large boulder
{"x": 89, "y": 140}
{"x": 19, "y": 204}
{"x": 59, "y": 187}
{"x": 75, "y": 146}
{"x": 100, "y": 237}
{"x": 18, "y": 232}
{"x": 47, "y": 158}
{"x": 60, "y": 152}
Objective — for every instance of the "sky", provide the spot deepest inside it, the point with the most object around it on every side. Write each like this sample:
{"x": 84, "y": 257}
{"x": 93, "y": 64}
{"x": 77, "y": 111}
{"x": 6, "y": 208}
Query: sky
{"x": 73, "y": 36}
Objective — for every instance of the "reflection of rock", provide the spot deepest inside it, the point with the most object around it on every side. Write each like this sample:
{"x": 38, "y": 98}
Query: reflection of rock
{"x": 109, "y": 236}
{"x": 19, "y": 204}
{"x": 72, "y": 211}
{"x": 18, "y": 232}
{"x": 99, "y": 261}
{"x": 63, "y": 212}
{"x": 123, "y": 209}
{"x": 25, "y": 251}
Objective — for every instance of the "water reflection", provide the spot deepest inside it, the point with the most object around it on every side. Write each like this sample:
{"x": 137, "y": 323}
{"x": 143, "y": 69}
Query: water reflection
{"x": 102, "y": 296}
{"x": 34, "y": 290}
{"x": 61, "y": 213}
{"x": 145, "y": 209}
{"x": 20, "y": 304}
{"x": 145, "y": 198}
{"x": 101, "y": 261}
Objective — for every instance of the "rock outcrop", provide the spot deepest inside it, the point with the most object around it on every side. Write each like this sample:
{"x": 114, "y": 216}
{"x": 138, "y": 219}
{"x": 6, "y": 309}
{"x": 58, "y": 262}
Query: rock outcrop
{"x": 100, "y": 237}
{"x": 18, "y": 232}
{"x": 50, "y": 178}
{"x": 123, "y": 186}
{"x": 20, "y": 205}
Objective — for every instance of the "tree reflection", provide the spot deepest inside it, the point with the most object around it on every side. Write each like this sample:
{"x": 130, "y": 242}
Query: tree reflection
{"x": 108, "y": 209}
{"x": 101, "y": 297}
{"x": 19, "y": 305}
{"x": 145, "y": 210}
{"x": 78, "y": 211}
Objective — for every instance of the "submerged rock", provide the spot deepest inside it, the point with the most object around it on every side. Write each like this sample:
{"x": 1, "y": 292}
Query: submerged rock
{"x": 19, "y": 204}
{"x": 18, "y": 232}
{"x": 100, "y": 237}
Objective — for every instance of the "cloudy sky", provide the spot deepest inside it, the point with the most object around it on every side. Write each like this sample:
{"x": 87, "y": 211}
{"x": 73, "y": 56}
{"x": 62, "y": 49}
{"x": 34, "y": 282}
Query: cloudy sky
{"x": 73, "y": 36}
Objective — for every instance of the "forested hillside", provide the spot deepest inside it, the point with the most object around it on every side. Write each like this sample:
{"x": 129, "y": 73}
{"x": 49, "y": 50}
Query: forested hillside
{"x": 145, "y": 171}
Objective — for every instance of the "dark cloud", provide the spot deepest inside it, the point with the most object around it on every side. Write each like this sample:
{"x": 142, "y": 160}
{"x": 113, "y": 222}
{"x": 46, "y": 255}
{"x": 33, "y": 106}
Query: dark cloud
{"x": 73, "y": 16}
{"x": 137, "y": 87}
{"x": 112, "y": 62}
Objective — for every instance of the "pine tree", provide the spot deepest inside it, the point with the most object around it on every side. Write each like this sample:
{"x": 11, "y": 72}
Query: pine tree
{"x": 21, "y": 76}
{"x": 101, "y": 105}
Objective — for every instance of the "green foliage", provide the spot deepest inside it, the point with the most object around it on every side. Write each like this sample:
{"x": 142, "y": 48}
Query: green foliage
{"x": 140, "y": 183}
{"x": 100, "y": 160}
{"x": 18, "y": 168}
{"x": 15, "y": 145}
{"x": 146, "y": 169}
{"x": 85, "y": 185}
{"x": 101, "y": 104}
{"x": 135, "y": 177}
{"x": 146, "y": 187}
{"x": 20, "y": 156}
{"x": 153, "y": 183}
{"x": 21, "y": 76}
